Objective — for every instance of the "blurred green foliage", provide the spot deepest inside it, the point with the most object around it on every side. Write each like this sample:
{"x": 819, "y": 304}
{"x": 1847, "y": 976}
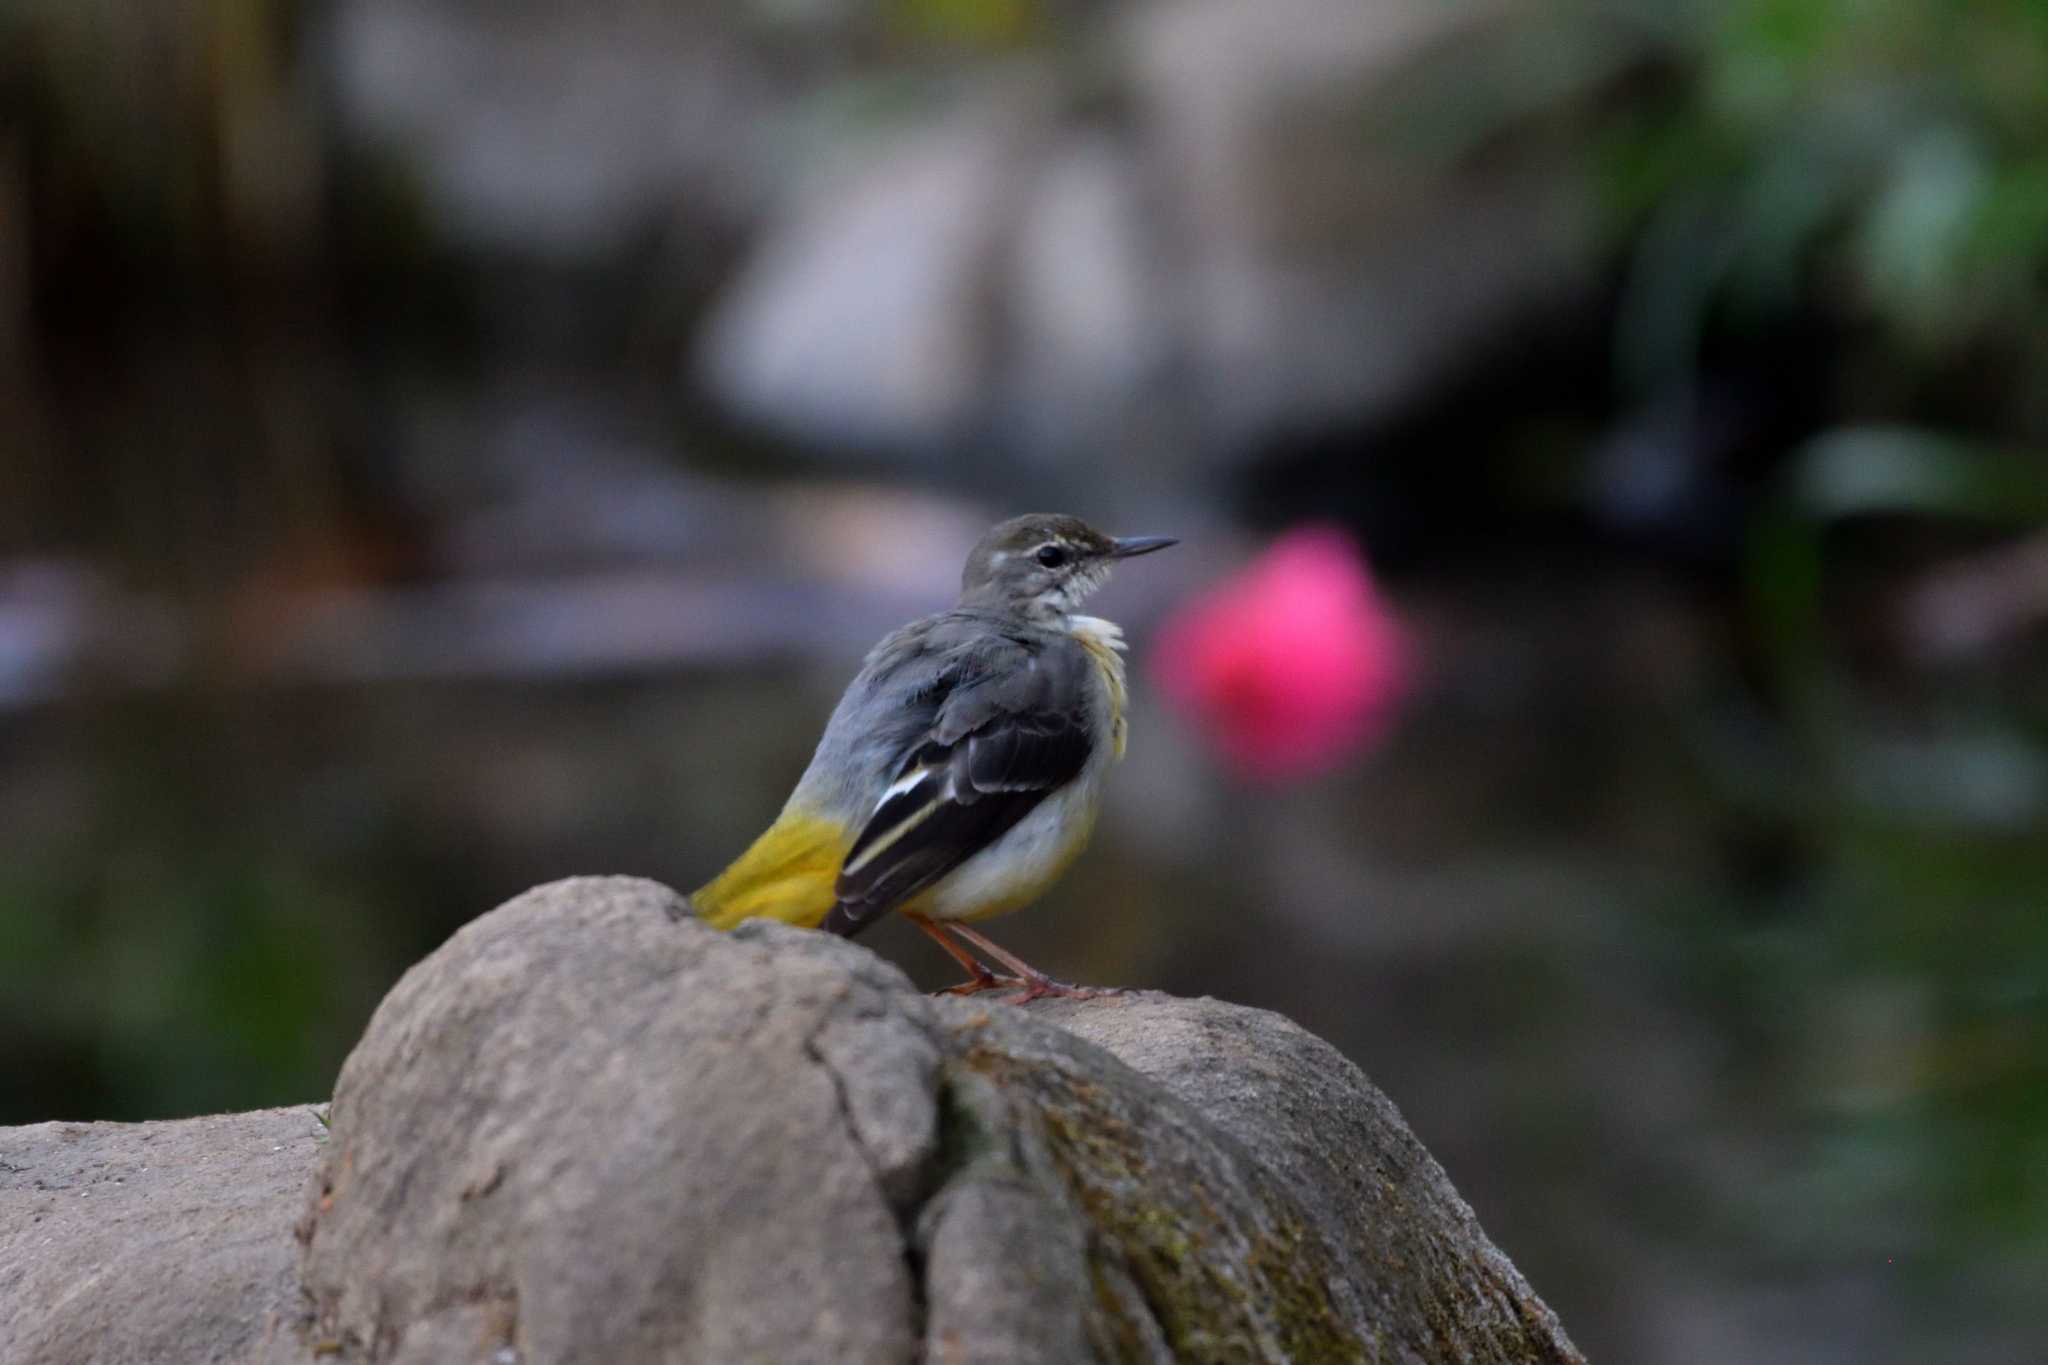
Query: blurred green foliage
{"x": 1886, "y": 161}
{"x": 1844, "y": 205}
{"x": 1881, "y": 168}
{"x": 175, "y": 940}
{"x": 1908, "y": 966}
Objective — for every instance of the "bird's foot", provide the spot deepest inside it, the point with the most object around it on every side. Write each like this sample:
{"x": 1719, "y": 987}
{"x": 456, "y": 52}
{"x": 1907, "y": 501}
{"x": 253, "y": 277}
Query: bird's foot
{"x": 987, "y": 981}
{"x": 1045, "y": 988}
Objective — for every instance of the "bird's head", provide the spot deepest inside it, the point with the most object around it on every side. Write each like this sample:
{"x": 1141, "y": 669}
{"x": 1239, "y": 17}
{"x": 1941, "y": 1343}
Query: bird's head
{"x": 1043, "y": 565}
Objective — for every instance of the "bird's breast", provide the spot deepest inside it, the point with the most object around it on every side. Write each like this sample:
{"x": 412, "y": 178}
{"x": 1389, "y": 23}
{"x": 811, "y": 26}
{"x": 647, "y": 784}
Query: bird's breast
{"x": 1104, "y": 643}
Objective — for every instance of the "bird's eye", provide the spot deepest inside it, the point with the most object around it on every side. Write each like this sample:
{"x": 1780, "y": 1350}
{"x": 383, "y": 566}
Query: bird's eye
{"x": 1052, "y": 556}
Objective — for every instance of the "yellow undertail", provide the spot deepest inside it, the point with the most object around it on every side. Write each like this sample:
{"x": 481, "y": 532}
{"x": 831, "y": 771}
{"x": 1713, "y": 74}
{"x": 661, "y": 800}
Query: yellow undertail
{"x": 788, "y": 874}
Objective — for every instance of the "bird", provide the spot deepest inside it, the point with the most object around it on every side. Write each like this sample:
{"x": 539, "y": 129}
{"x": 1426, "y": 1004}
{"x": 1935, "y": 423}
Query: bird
{"x": 961, "y": 772}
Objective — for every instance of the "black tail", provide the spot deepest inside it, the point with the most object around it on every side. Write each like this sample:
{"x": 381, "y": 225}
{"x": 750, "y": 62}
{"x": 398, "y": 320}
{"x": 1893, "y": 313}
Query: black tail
{"x": 844, "y": 922}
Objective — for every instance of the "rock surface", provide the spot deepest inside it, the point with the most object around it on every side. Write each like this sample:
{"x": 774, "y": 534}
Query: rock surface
{"x": 589, "y": 1129}
{"x": 152, "y": 1242}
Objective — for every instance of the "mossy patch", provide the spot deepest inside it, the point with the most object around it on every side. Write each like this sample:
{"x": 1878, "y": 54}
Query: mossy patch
{"x": 1224, "y": 1286}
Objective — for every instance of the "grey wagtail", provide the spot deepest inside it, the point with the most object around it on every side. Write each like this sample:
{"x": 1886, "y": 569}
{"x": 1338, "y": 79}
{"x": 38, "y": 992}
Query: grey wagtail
{"x": 960, "y": 774}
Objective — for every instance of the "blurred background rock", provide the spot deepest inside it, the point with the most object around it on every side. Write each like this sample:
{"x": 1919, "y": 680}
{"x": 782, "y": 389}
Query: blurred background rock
{"x": 446, "y": 446}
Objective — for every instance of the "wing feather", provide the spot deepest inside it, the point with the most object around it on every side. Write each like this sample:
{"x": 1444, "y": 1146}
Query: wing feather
{"x": 1011, "y": 729}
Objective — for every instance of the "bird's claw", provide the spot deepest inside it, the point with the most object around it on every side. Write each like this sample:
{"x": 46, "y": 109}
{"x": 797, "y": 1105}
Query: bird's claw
{"x": 1029, "y": 989}
{"x": 975, "y": 985}
{"x": 1045, "y": 988}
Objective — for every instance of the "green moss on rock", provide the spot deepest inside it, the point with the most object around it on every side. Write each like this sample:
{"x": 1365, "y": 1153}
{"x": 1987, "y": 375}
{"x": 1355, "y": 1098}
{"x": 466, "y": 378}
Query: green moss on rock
{"x": 1223, "y": 1288}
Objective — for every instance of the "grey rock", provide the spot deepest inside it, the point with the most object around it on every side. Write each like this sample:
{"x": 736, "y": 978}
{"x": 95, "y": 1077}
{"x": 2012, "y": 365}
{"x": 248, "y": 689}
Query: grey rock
{"x": 1332, "y": 270}
{"x": 152, "y": 1242}
{"x": 1091, "y": 303}
{"x": 621, "y": 1133}
{"x": 590, "y": 1129}
{"x": 550, "y": 132}
{"x": 644, "y": 1140}
{"x": 1338, "y": 1145}
{"x": 1211, "y": 224}
{"x": 860, "y": 319}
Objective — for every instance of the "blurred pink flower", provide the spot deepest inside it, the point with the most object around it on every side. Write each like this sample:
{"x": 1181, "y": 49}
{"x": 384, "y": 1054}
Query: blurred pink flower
{"x": 1293, "y": 666}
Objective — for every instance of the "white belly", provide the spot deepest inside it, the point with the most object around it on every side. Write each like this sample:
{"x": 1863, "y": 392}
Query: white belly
{"x": 1012, "y": 871}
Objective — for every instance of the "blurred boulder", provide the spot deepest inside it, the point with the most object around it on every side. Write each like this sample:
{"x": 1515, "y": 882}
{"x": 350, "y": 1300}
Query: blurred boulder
{"x": 1178, "y": 229}
{"x": 859, "y": 320}
{"x": 588, "y": 1128}
{"x": 1216, "y": 226}
{"x": 1090, "y": 301}
{"x": 1342, "y": 250}
{"x": 558, "y": 134}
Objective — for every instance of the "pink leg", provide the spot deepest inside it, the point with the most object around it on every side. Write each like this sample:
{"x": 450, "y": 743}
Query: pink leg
{"x": 979, "y": 979}
{"x": 1036, "y": 983}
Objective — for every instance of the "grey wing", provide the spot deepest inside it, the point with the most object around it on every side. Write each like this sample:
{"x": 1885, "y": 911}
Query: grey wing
{"x": 1011, "y": 728}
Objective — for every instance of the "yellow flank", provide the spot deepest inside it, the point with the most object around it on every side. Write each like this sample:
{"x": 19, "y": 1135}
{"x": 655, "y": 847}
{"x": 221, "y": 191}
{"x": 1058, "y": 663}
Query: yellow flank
{"x": 789, "y": 874}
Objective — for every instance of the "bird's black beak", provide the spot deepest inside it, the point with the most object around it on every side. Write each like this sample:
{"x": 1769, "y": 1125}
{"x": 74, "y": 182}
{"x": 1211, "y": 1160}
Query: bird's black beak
{"x": 1123, "y": 547}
